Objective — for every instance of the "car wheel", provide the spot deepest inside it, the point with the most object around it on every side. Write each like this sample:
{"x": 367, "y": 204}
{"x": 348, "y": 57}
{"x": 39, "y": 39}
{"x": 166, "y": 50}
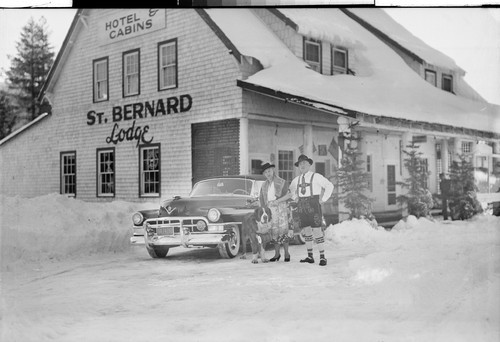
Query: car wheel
{"x": 157, "y": 252}
{"x": 230, "y": 248}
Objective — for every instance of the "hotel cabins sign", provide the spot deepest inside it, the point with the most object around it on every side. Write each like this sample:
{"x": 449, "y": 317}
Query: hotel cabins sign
{"x": 129, "y": 24}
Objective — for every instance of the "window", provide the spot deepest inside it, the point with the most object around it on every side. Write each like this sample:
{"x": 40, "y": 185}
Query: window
{"x": 447, "y": 83}
{"x": 430, "y": 76}
{"x": 285, "y": 165}
{"x": 391, "y": 184}
{"x": 320, "y": 168}
{"x": 68, "y": 173}
{"x": 339, "y": 61}
{"x": 131, "y": 75}
{"x": 369, "y": 171}
{"x": 466, "y": 146}
{"x": 106, "y": 172}
{"x": 312, "y": 54}
{"x": 149, "y": 171}
{"x": 167, "y": 64}
{"x": 101, "y": 79}
{"x": 256, "y": 165}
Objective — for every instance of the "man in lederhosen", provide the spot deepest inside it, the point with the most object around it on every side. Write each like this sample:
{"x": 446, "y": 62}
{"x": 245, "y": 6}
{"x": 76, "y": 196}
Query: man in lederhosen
{"x": 307, "y": 188}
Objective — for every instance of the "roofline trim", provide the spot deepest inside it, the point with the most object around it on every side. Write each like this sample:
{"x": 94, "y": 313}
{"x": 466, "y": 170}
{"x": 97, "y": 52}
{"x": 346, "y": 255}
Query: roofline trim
{"x": 296, "y": 99}
{"x": 23, "y": 128}
{"x": 377, "y": 32}
{"x": 219, "y": 33}
{"x": 60, "y": 54}
{"x": 284, "y": 18}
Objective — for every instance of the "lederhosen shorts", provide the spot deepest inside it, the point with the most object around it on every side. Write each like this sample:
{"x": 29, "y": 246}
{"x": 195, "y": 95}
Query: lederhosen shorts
{"x": 309, "y": 210}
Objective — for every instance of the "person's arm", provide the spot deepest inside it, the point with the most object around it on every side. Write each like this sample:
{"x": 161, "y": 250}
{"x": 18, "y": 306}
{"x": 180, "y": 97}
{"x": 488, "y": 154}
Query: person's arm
{"x": 292, "y": 190}
{"x": 327, "y": 185}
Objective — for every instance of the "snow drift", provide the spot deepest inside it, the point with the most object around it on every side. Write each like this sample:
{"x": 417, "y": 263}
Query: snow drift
{"x": 54, "y": 227}
{"x": 68, "y": 274}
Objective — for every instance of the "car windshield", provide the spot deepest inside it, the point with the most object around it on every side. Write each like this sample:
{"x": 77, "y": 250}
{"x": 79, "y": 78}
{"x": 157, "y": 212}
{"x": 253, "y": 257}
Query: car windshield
{"x": 227, "y": 186}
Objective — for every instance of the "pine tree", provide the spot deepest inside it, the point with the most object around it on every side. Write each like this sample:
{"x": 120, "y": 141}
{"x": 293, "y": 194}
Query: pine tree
{"x": 353, "y": 181}
{"x": 7, "y": 115}
{"x": 418, "y": 198}
{"x": 463, "y": 201}
{"x": 29, "y": 69}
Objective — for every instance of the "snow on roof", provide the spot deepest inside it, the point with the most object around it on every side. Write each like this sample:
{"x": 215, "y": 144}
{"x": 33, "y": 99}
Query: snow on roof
{"x": 384, "y": 84}
{"x": 382, "y": 21}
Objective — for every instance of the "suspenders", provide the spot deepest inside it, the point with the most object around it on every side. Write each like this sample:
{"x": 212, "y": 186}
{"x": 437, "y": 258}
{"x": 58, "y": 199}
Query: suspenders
{"x": 310, "y": 187}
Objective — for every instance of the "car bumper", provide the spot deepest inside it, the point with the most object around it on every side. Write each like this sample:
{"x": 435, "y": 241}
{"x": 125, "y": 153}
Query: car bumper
{"x": 187, "y": 240}
{"x": 137, "y": 240}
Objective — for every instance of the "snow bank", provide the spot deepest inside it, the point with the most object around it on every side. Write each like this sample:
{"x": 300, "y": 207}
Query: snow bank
{"x": 54, "y": 227}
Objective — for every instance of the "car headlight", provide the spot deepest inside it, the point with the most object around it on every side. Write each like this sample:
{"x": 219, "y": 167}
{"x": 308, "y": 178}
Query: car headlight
{"x": 137, "y": 218}
{"x": 201, "y": 225}
{"x": 213, "y": 215}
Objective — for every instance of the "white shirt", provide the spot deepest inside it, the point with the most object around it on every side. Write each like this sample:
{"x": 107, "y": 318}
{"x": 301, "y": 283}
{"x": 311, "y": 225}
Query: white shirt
{"x": 319, "y": 182}
{"x": 271, "y": 192}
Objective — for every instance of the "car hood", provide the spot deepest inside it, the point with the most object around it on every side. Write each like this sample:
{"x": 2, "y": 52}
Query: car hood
{"x": 199, "y": 206}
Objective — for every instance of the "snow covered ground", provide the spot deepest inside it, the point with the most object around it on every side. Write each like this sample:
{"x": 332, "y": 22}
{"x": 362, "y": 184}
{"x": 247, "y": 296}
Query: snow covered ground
{"x": 68, "y": 274}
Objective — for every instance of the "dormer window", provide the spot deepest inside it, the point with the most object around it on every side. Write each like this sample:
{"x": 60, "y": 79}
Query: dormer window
{"x": 312, "y": 54}
{"x": 430, "y": 76}
{"x": 339, "y": 61}
{"x": 447, "y": 83}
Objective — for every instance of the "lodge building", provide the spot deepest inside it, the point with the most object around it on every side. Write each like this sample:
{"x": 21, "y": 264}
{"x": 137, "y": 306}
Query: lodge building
{"x": 145, "y": 102}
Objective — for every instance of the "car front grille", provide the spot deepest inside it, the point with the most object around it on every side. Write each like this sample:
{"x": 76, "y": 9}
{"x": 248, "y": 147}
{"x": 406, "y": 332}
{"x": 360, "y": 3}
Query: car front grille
{"x": 173, "y": 226}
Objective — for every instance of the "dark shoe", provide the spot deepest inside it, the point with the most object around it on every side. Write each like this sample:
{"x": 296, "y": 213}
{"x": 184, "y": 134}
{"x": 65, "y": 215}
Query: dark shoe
{"x": 275, "y": 258}
{"x": 322, "y": 262}
{"x": 287, "y": 259}
{"x": 308, "y": 259}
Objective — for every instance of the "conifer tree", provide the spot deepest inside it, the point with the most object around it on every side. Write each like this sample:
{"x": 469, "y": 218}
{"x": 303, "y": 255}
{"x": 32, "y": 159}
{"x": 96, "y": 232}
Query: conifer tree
{"x": 353, "y": 180}
{"x": 30, "y": 67}
{"x": 7, "y": 115}
{"x": 418, "y": 198}
{"x": 463, "y": 201}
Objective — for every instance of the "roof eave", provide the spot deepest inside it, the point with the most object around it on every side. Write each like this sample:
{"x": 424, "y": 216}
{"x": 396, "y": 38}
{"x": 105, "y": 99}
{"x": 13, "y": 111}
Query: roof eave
{"x": 61, "y": 56}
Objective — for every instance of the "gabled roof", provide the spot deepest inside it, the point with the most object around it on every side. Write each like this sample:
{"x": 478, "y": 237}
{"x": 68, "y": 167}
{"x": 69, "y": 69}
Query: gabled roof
{"x": 384, "y": 84}
{"x": 379, "y": 22}
{"x": 63, "y": 53}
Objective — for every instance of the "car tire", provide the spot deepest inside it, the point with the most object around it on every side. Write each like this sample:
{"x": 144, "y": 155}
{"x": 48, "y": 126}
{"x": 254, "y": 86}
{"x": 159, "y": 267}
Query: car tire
{"x": 157, "y": 252}
{"x": 229, "y": 249}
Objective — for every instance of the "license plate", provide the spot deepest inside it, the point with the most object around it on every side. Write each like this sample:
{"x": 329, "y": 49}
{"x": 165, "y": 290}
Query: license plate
{"x": 165, "y": 231}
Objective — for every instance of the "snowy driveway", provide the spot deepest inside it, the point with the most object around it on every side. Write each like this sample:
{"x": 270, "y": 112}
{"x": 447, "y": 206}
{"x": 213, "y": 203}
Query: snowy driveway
{"x": 193, "y": 295}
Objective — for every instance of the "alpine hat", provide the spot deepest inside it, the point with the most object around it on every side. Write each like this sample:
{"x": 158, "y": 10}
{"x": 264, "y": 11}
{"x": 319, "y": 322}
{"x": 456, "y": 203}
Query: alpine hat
{"x": 303, "y": 157}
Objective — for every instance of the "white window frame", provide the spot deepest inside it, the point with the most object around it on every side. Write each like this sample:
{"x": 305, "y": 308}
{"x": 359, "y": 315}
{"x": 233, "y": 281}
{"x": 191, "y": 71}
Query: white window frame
{"x": 286, "y": 166}
{"x": 429, "y": 72}
{"x": 466, "y": 147}
{"x": 449, "y": 77}
{"x": 131, "y": 73}
{"x": 336, "y": 69}
{"x": 109, "y": 172}
{"x": 68, "y": 174}
{"x": 315, "y": 65}
{"x": 148, "y": 168}
{"x": 100, "y": 80}
{"x": 166, "y": 64}
{"x": 390, "y": 192}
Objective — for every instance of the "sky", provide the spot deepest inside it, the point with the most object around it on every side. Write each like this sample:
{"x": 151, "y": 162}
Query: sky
{"x": 470, "y": 36}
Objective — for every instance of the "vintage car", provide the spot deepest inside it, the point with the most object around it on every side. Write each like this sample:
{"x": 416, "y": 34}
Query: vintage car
{"x": 211, "y": 216}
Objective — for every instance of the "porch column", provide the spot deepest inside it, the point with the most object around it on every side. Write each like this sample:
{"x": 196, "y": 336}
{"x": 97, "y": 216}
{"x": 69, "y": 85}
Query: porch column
{"x": 444, "y": 155}
{"x": 244, "y": 169}
{"x": 308, "y": 141}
